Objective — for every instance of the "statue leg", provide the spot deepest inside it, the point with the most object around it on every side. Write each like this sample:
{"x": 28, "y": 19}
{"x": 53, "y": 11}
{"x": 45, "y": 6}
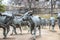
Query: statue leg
{"x": 39, "y": 30}
{"x": 8, "y": 29}
{"x": 31, "y": 31}
{"x": 4, "y": 33}
{"x": 34, "y": 33}
{"x": 20, "y": 29}
{"x": 52, "y": 27}
{"x": 14, "y": 28}
{"x": 59, "y": 26}
{"x": 49, "y": 26}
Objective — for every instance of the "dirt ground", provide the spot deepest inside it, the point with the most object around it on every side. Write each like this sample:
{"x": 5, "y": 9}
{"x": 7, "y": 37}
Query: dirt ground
{"x": 46, "y": 34}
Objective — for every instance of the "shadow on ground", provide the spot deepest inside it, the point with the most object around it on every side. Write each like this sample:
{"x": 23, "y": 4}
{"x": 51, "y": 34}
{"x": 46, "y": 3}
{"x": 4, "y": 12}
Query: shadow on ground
{"x": 8, "y": 38}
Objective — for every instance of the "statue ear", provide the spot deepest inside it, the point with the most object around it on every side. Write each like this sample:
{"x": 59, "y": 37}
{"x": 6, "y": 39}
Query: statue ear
{"x": 0, "y": 14}
{"x": 31, "y": 14}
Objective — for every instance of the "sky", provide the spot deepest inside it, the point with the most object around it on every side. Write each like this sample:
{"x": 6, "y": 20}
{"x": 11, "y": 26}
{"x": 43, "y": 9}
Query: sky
{"x": 5, "y": 2}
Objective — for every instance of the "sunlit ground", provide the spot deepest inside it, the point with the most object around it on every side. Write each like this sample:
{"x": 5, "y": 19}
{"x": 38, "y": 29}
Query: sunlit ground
{"x": 46, "y": 34}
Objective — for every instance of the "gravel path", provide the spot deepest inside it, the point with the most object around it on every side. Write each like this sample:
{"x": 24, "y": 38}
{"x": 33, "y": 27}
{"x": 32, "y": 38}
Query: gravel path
{"x": 46, "y": 34}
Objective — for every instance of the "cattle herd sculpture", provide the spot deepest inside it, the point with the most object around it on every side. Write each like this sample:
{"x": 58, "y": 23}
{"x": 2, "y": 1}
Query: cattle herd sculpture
{"x": 28, "y": 19}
